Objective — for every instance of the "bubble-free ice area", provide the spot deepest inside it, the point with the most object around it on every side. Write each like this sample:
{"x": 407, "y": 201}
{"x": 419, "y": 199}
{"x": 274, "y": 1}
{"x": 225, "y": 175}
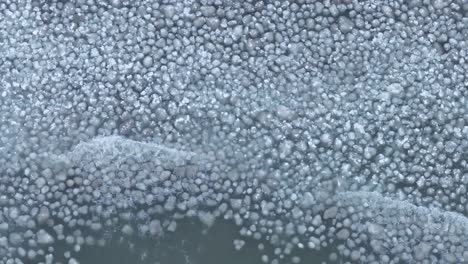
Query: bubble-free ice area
{"x": 221, "y": 131}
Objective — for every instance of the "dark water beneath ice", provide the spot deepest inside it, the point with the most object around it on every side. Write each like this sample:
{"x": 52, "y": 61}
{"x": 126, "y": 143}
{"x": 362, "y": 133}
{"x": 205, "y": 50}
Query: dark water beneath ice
{"x": 191, "y": 243}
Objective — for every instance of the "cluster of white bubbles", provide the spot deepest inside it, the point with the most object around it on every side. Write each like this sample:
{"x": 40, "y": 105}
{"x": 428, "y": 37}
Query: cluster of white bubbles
{"x": 337, "y": 124}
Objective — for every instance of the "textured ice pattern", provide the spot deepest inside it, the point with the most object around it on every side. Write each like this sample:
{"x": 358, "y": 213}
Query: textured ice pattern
{"x": 335, "y": 126}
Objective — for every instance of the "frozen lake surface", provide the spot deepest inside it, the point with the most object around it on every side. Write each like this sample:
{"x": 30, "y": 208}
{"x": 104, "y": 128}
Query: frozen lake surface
{"x": 234, "y": 132}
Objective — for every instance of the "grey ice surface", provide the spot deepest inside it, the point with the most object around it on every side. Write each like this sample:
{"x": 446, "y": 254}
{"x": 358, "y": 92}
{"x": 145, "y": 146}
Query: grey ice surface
{"x": 219, "y": 131}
